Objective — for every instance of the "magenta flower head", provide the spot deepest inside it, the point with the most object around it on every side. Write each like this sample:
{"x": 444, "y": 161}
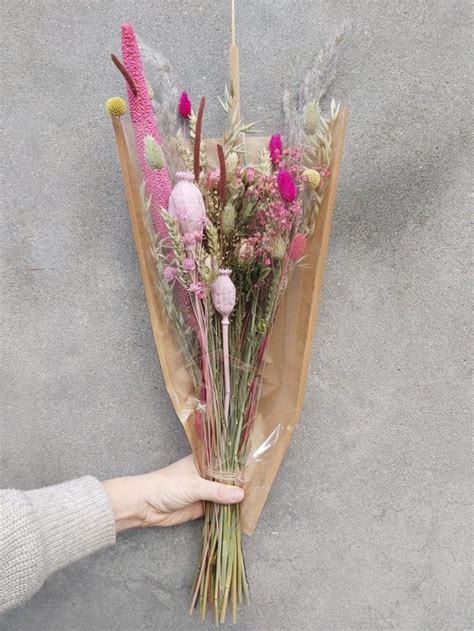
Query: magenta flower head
{"x": 297, "y": 247}
{"x": 286, "y": 186}
{"x": 184, "y": 105}
{"x": 275, "y": 147}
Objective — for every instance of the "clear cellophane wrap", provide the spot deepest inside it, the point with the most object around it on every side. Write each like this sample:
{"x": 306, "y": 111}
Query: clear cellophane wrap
{"x": 288, "y": 354}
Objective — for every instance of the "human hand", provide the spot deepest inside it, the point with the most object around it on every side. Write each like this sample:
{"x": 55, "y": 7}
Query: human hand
{"x": 166, "y": 497}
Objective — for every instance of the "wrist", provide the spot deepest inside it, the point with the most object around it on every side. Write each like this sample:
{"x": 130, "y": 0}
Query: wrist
{"x": 126, "y": 501}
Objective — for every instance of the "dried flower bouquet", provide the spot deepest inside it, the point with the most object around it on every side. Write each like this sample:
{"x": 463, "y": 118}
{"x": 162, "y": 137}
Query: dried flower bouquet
{"x": 227, "y": 238}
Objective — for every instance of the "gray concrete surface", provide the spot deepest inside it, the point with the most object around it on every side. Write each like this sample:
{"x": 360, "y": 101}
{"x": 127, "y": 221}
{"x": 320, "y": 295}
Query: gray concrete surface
{"x": 367, "y": 526}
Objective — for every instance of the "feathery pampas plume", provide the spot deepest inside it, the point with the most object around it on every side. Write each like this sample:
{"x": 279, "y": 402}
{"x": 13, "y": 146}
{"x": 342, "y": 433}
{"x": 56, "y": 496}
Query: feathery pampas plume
{"x": 164, "y": 99}
{"x": 315, "y": 85}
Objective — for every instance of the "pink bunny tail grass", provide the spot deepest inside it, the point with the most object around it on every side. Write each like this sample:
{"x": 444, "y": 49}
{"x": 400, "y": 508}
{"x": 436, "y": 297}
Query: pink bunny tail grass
{"x": 157, "y": 181}
{"x": 184, "y": 105}
{"x": 275, "y": 147}
{"x": 297, "y": 247}
{"x": 286, "y": 186}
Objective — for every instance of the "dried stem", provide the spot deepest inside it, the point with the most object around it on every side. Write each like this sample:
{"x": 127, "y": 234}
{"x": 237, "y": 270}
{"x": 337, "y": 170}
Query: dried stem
{"x": 197, "y": 140}
{"x": 125, "y": 73}
{"x": 222, "y": 174}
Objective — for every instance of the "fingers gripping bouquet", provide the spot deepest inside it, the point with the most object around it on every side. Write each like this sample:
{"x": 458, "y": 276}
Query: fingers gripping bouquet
{"x": 228, "y": 230}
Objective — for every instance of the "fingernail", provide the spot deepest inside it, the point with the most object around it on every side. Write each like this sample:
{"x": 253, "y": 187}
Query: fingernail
{"x": 236, "y": 494}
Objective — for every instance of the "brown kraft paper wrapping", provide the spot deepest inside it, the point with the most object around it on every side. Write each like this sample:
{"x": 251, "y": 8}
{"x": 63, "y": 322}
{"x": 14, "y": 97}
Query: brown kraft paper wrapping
{"x": 288, "y": 355}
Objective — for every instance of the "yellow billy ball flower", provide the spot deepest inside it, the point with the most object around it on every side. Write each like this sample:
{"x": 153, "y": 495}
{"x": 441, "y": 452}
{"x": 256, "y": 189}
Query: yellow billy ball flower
{"x": 313, "y": 178}
{"x": 116, "y": 106}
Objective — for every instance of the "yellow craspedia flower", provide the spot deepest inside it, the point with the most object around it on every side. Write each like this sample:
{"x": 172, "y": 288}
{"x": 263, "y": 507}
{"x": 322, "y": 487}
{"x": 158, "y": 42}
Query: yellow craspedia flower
{"x": 116, "y": 106}
{"x": 313, "y": 178}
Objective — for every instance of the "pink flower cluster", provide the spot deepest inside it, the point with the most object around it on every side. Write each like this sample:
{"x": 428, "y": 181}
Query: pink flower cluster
{"x": 277, "y": 201}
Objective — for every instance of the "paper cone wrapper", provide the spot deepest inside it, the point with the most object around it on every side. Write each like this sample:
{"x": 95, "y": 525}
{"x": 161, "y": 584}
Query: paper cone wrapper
{"x": 288, "y": 355}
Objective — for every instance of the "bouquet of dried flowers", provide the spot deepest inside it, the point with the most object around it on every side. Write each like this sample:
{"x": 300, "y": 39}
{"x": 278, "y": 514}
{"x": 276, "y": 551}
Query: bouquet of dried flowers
{"x": 227, "y": 235}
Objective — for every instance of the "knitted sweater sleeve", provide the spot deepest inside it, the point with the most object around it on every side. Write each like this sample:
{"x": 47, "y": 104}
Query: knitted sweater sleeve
{"x": 43, "y": 530}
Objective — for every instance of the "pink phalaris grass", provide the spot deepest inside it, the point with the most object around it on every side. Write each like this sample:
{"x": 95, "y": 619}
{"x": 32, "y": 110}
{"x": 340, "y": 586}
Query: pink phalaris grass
{"x": 157, "y": 181}
{"x": 184, "y": 105}
{"x": 286, "y": 186}
{"x": 275, "y": 147}
{"x": 297, "y": 247}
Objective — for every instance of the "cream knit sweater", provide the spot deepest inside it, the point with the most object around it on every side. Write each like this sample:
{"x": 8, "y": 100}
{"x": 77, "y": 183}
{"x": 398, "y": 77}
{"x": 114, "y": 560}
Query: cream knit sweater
{"x": 43, "y": 530}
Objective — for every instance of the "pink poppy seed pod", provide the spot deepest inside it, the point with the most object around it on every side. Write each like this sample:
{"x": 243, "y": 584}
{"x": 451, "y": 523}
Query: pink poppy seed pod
{"x": 223, "y": 294}
{"x": 186, "y": 204}
{"x": 223, "y": 298}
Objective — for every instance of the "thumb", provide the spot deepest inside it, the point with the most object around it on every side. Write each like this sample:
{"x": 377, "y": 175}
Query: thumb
{"x": 220, "y": 493}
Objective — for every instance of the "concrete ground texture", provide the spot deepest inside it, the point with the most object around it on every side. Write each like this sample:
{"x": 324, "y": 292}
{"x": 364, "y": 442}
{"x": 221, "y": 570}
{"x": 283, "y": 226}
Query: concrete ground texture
{"x": 368, "y": 523}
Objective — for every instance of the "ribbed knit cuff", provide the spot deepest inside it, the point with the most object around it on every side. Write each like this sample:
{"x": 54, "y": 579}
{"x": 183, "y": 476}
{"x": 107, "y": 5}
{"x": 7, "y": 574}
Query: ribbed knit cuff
{"x": 75, "y": 519}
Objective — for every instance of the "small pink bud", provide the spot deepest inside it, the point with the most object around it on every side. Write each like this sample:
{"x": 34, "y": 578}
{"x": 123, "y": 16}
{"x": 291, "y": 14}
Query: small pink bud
{"x": 189, "y": 238}
{"x": 213, "y": 179}
{"x": 248, "y": 176}
{"x": 188, "y": 265}
{"x": 184, "y": 105}
{"x": 223, "y": 294}
{"x": 169, "y": 273}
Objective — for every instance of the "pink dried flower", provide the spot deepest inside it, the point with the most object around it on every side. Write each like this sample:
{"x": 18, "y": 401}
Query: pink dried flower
{"x": 286, "y": 186}
{"x": 248, "y": 176}
{"x": 144, "y": 124}
{"x": 189, "y": 239}
{"x": 197, "y": 289}
{"x": 188, "y": 265}
{"x": 275, "y": 147}
{"x": 297, "y": 247}
{"x": 169, "y": 273}
{"x": 213, "y": 179}
{"x": 184, "y": 105}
